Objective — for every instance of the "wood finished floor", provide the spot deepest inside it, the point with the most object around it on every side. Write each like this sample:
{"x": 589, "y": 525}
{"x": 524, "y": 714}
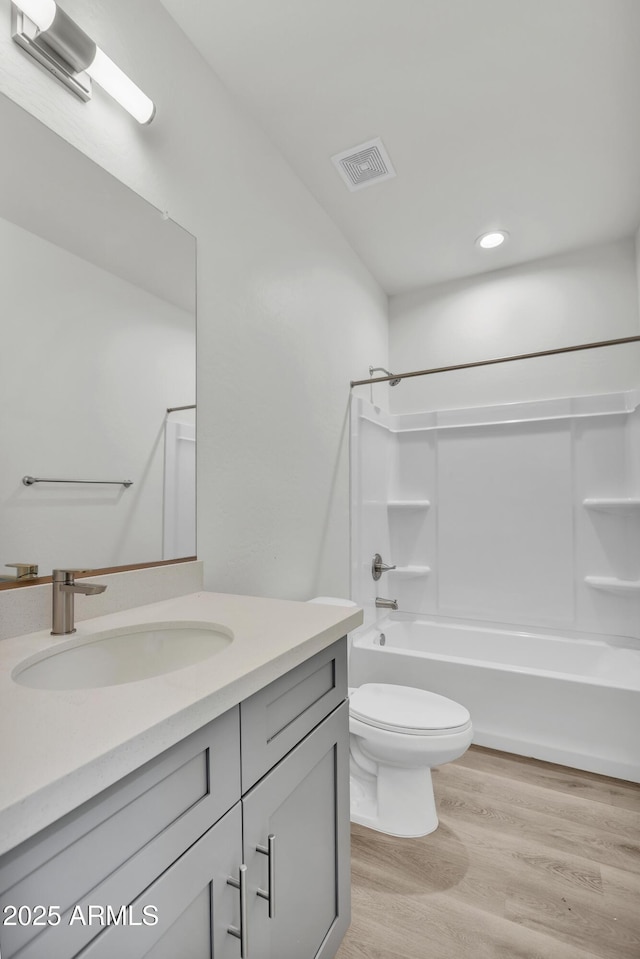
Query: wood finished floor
{"x": 530, "y": 861}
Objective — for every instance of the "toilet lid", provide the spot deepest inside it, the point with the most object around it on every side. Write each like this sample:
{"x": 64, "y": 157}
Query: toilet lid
{"x": 406, "y": 709}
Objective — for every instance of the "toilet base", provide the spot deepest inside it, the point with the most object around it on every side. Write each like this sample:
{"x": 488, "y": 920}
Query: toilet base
{"x": 399, "y": 802}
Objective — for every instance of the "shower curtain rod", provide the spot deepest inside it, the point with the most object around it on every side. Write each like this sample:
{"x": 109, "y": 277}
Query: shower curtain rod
{"x": 500, "y": 359}
{"x": 174, "y": 409}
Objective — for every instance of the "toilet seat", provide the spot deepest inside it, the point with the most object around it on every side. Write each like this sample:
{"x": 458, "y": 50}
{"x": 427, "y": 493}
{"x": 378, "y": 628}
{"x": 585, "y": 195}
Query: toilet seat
{"x": 406, "y": 709}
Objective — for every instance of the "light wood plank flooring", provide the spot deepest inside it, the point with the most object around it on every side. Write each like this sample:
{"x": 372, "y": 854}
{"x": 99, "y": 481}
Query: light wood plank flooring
{"x": 530, "y": 861}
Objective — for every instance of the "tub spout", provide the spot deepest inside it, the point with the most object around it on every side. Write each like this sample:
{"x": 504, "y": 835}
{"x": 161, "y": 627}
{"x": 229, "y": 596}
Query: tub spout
{"x": 386, "y": 603}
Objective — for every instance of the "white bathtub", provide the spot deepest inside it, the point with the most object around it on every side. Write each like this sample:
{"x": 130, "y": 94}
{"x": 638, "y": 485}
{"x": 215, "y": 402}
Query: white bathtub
{"x": 566, "y": 700}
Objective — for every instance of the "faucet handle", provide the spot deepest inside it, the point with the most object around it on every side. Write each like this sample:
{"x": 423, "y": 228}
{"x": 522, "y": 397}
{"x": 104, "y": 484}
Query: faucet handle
{"x": 378, "y": 567}
{"x": 24, "y": 570}
{"x": 66, "y": 575}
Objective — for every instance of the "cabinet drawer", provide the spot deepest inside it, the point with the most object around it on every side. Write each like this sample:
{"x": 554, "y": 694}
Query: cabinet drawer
{"x": 276, "y": 718}
{"x": 113, "y": 846}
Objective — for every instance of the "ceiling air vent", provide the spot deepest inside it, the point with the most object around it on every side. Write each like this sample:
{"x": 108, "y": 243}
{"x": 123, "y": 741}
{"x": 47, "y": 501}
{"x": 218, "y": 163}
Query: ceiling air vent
{"x": 364, "y": 165}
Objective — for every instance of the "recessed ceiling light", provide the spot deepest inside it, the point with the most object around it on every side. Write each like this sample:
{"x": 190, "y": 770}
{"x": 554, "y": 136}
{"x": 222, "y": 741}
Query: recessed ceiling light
{"x": 488, "y": 241}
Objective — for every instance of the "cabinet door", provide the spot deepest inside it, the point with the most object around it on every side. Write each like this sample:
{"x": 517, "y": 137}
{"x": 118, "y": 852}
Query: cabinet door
{"x": 304, "y": 803}
{"x": 192, "y": 900}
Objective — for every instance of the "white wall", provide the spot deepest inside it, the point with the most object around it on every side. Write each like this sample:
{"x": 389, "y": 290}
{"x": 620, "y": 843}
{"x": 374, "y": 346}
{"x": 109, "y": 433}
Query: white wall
{"x": 287, "y": 314}
{"x": 580, "y": 297}
{"x": 638, "y": 262}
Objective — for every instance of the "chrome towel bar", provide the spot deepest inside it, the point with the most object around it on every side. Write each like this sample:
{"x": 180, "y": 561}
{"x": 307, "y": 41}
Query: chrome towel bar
{"x": 30, "y": 480}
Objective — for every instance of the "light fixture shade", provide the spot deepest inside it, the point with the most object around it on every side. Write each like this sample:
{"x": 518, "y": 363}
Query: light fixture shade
{"x": 48, "y": 34}
{"x": 40, "y": 12}
{"x": 118, "y": 85}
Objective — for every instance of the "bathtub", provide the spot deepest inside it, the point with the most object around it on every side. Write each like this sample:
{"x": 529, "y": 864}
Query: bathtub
{"x": 566, "y": 700}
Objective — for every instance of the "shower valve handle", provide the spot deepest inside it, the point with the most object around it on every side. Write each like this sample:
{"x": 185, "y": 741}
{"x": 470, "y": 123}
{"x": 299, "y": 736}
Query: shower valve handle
{"x": 378, "y": 567}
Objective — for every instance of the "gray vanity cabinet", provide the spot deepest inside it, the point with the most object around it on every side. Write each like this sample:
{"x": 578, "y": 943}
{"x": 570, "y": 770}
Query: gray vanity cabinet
{"x": 265, "y": 785}
{"x": 295, "y": 784}
{"x": 194, "y": 902}
{"x": 304, "y": 804}
{"x": 111, "y": 849}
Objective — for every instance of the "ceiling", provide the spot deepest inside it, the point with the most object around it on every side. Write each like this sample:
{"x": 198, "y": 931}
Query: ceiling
{"x": 513, "y": 114}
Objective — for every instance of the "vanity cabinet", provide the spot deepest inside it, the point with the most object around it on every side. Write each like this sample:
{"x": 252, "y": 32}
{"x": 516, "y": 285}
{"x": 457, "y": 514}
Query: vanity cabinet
{"x": 264, "y": 786}
{"x": 304, "y": 804}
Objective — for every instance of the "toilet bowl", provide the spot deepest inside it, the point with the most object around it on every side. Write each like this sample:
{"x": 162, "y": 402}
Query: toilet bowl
{"x": 397, "y": 734}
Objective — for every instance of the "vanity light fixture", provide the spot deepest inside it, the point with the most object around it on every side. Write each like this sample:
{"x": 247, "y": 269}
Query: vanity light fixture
{"x": 489, "y": 241}
{"x": 56, "y": 41}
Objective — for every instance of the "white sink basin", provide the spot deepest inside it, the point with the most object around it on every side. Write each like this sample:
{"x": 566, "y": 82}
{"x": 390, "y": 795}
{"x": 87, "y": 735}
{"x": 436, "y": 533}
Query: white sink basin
{"x": 124, "y": 655}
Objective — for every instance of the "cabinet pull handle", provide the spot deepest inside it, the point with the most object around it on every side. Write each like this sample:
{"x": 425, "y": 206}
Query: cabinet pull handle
{"x": 270, "y": 851}
{"x": 242, "y": 932}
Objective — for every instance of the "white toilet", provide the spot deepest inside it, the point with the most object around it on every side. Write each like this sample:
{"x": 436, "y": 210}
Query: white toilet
{"x": 397, "y": 735}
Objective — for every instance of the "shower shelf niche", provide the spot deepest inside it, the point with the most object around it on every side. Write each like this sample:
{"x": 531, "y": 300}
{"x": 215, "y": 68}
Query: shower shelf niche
{"x": 614, "y": 503}
{"x": 613, "y": 584}
{"x": 619, "y": 505}
{"x": 410, "y": 571}
{"x": 408, "y": 504}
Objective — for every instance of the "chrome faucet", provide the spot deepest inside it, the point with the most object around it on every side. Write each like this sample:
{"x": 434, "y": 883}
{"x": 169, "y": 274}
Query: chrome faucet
{"x": 64, "y": 590}
{"x": 386, "y": 603}
{"x": 24, "y": 571}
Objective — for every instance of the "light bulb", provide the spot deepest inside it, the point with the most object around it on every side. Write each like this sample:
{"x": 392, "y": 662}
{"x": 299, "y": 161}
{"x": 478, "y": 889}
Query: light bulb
{"x": 118, "y": 85}
{"x": 488, "y": 241}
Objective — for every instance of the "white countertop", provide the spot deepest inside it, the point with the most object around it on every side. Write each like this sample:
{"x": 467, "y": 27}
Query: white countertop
{"x": 60, "y": 748}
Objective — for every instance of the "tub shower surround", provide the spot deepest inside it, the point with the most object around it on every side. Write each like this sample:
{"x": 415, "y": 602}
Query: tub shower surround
{"x": 515, "y": 531}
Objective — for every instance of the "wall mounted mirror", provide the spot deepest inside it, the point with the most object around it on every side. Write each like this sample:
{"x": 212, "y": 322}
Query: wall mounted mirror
{"x": 98, "y": 342}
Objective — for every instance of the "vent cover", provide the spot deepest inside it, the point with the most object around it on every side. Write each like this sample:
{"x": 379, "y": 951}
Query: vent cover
{"x": 364, "y": 165}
